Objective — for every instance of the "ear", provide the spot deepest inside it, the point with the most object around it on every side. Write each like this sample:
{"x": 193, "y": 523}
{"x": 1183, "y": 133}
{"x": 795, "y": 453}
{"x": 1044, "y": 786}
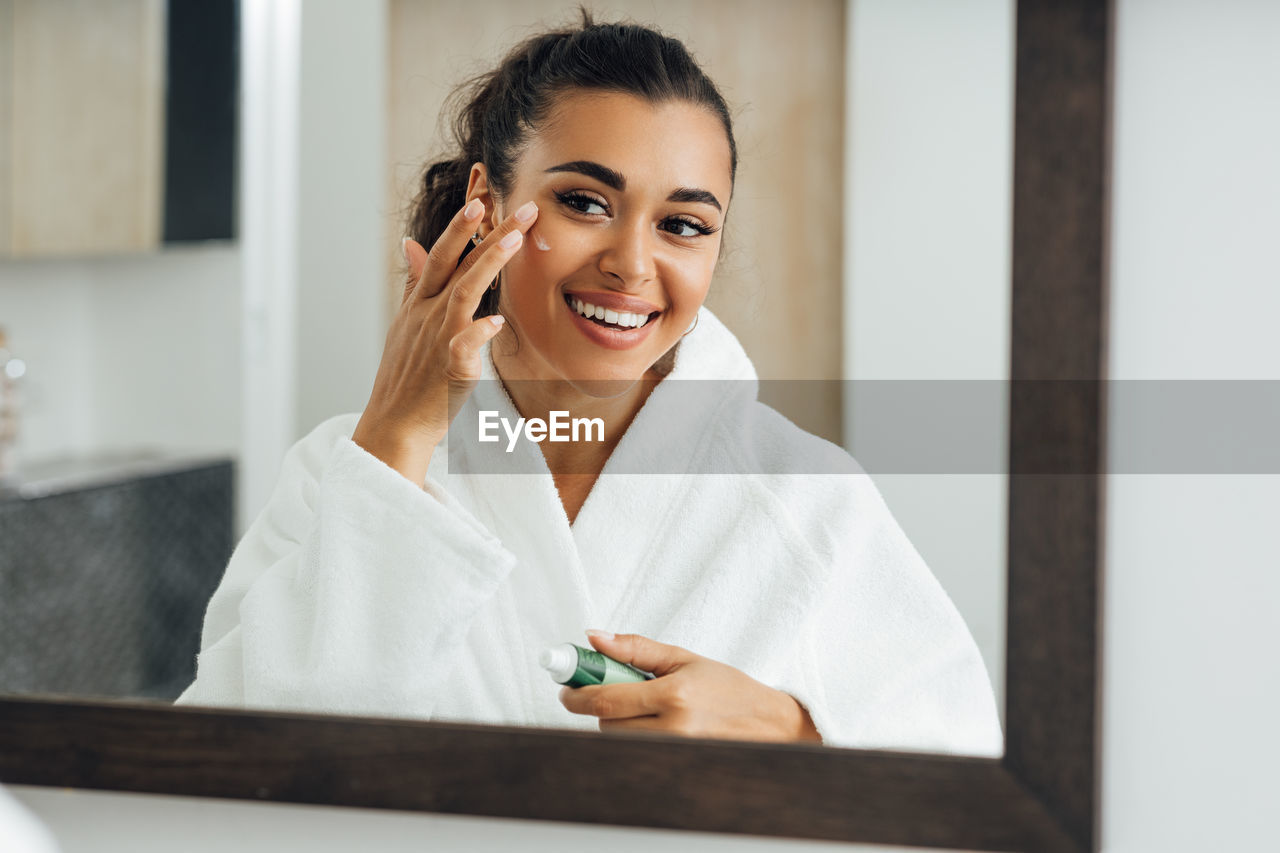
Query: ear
{"x": 478, "y": 187}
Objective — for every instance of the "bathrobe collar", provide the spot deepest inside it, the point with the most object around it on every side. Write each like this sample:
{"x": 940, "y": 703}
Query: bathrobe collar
{"x": 711, "y": 372}
{"x": 625, "y": 509}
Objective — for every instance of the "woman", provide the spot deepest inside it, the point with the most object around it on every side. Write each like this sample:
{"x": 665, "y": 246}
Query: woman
{"x": 391, "y": 575}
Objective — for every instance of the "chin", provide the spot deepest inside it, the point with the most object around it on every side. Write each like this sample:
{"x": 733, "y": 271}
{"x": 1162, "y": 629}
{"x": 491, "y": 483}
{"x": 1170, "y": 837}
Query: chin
{"x": 603, "y": 382}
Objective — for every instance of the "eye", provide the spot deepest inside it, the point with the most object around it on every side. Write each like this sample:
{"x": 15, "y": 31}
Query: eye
{"x": 682, "y": 227}
{"x": 581, "y": 202}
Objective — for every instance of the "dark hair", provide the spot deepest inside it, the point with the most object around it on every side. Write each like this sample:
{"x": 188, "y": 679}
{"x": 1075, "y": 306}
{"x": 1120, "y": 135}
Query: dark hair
{"x": 502, "y": 106}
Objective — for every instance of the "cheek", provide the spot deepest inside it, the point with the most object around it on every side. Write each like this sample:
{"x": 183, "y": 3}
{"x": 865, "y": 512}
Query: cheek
{"x": 691, "y": 283}
{"x": 549, "y": 255}
{"x": 529, "y": 275}
{"x": 556, "y": 239}
{"x": 534, "y": 277}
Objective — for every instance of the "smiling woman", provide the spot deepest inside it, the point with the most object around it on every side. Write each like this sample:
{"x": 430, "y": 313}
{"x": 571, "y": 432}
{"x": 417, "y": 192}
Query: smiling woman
{"x": 559, "y": 264}
{"x": 635, "y": 230}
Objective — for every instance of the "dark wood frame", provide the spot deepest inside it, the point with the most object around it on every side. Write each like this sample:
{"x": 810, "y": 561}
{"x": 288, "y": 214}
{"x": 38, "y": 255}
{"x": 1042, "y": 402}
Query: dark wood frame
{"x": 1043, "y": 793}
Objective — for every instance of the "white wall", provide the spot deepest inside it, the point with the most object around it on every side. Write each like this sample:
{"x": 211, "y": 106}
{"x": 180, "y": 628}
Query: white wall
{"x": 126, "y": 352}
{"x": 313, "y": 143}
{"x": 929, "y": 147}
{"x": 45, "y": 311}
{"x": 1191, "y": 684}
{"x": 342, "y": 163}
{"x": 1191, "y": 687}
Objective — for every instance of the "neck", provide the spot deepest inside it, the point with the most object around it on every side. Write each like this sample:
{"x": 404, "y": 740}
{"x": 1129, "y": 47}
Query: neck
{"x": 614, "y": 402}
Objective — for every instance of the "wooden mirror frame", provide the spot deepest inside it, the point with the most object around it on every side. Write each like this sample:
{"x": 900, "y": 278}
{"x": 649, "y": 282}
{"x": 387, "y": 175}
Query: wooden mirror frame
{"x": 1041, "y": 795}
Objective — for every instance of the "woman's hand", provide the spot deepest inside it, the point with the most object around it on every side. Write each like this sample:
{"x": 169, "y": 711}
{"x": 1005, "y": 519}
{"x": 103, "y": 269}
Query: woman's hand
{"x": 692, "y": 695}
{"x": 431, "y": 360}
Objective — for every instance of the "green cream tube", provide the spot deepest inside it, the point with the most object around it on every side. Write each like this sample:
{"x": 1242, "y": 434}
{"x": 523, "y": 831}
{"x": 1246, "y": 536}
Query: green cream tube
{"x": 577, "y": 667}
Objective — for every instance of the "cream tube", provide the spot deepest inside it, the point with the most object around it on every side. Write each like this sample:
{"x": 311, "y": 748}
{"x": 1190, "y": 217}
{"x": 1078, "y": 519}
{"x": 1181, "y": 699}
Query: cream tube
{"x": 577, "y": 667}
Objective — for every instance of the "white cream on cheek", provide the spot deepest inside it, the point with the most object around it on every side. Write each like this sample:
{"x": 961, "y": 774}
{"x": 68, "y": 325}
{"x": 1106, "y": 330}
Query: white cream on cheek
{"x": 540, "y": 243}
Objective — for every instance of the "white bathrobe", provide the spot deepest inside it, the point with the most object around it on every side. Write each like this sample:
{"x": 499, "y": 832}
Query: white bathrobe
{"x": 357, "y": 592}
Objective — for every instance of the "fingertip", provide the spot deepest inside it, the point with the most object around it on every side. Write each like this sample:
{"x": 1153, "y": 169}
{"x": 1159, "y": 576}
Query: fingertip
{"x": 412, "y": 249}
{"x": 414, "y": 258}
{"x": 527, "y": 212}
{"x": 497, "y": 320}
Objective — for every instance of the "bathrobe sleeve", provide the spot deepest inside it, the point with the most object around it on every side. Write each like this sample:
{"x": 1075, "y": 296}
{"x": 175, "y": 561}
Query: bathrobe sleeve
{"x": 352, "y": 592}
{"x": 885, "y": 660}
{"x": 882, "y": 658}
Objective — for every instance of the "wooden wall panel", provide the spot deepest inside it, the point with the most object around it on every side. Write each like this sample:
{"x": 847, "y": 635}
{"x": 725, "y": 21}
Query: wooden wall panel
{"x": 781, "y": 68}
{"x": 86, "y": 123}
{"x": 6, "y": 124}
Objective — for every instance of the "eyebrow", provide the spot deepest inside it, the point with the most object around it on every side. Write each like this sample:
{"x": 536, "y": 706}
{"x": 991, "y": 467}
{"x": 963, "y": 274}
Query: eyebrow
{"x": 614, "y": 179}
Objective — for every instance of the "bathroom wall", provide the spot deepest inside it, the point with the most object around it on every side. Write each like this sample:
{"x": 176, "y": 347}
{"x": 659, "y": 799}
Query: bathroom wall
{"x": 127, "y": 351}
{"x": 929, "y": 147}
{"x": 1191, "y": 690}
{"x": 1190, "y": 686}
{"x": 312, "y": 221}
{"x": 342, "y": 212}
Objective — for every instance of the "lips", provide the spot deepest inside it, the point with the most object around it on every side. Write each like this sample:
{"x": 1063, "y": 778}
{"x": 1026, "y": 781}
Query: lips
{"x": 612, "y": 336}
{"x": 615, "y": 301}
{"x": 607, "y": 316}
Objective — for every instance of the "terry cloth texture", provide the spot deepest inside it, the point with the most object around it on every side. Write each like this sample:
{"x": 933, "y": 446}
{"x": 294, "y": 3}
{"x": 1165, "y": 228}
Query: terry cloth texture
{"x": 356, "y": 591}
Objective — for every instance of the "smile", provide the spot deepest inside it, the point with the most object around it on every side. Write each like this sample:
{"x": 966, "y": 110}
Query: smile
{"x": 607, "y": 327}
{"x": 607, "y": 317}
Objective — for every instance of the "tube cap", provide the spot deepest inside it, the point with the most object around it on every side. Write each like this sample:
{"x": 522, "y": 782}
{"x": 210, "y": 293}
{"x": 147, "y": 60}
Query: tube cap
{"x": 561, "y": 661}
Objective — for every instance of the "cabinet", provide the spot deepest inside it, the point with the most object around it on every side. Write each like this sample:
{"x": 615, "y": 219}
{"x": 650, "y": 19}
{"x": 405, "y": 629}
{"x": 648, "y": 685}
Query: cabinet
{"x": 106, "y": 569}
{"x": 82, "y": 161}
{"x": 117, "y": 125}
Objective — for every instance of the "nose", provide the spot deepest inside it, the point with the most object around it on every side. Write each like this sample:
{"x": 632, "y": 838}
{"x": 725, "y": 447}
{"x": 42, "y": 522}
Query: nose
{"x": 627, "y": 257}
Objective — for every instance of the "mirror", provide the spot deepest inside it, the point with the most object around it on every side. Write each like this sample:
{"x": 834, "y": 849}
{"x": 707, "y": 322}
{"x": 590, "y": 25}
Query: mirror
{"x": 261, "y": 449}
{"x": 920, "y": 240}
{"x": 909, "y": 261}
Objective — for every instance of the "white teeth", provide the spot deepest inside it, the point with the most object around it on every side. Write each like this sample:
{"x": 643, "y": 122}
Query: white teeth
{"x": 618, "y": 318}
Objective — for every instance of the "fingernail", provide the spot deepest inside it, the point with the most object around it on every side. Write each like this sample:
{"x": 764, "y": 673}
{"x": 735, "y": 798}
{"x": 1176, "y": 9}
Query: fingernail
{"x": 526, "y": 211}
{"x": 474, "y": 208}
{"x": 596, "y": 632}
{"x": 497, "y": 319}
{"x": 404, "y": 248}
{"x": 511, "y": 240}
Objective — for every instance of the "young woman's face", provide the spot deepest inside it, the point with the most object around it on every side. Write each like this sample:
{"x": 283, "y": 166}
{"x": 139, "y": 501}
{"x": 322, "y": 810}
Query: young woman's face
{"x": 631, "y": 198}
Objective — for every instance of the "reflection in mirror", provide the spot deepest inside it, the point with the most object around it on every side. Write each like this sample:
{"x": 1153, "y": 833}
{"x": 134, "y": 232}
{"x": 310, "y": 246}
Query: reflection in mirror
{"x": 388, "y": 566}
